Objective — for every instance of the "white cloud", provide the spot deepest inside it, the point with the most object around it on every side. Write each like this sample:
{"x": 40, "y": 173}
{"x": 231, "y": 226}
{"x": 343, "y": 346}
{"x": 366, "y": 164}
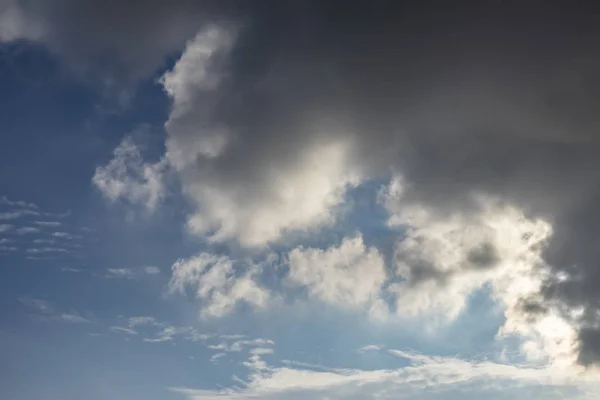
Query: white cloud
{"x": 265, "y": 195}
{"x": 215, "y": 357}
{"x": 241, "y": 344}
{"x": 73, "y": 318}
{"x": 17, "y": 214}
{"x": 370, "y": 347}
{"x": 135, "y": 321}
{"x": 65, "y": 235}
{"x": 128, "y": 177}
{"x": 152, "y": 270}
{"x": 43, "y": 241}
{"x": 8, "y": 248}
{"x": 48, "y": 223}
{"x": 46, "y": 250}
{"x": 27, "y": 230}
{"x": 349, "y": 275}
{"x": 121, "y": 329}
{"x": 16, "y": 203}
{"x": 119, "y": 273}
{"x": 5, "y": 227}
{"x": 47, "y": 312}
{"x": 445, "y": 258}
{"x": 218, "y": 285}
{"x": 424, "y": 377}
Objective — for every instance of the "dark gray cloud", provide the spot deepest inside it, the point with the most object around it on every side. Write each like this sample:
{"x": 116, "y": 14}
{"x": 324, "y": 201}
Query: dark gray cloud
{"x": 498, "y": 97}
{"x": 110, "y": 43}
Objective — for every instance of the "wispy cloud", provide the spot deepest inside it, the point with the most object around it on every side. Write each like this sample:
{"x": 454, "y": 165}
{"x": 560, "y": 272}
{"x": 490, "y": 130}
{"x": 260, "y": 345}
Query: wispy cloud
{"x": 17, "y": 214}
{"x": 5, "y": 227}
{"x": 46, "y": 250}
{"x": 46, "y": 311}
{"x": 16, "y": 203}
{"x": 48, "y": 223}
{"x": 27, "y": 230}
{"x": 43, "y": 241}
{"x": 440, "y": 376}
{"x": 65, "y": 235}
{"x": 8, "y": 248}
{"x": 121, "y": 329}
{"x": 152, "y": 270}
{"x": 124, "y": 273}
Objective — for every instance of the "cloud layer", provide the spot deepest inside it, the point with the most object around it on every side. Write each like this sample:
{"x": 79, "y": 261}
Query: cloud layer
{"x": 277, "y": 111}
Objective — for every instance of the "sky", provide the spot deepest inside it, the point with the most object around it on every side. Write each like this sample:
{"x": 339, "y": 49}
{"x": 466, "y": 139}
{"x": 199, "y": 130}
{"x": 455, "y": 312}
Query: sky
{"x": 205, "y": 200}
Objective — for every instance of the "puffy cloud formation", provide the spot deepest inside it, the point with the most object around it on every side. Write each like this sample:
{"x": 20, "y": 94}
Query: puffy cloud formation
{"x": 278, "y": 109}
{"x": 217, "y": 283}
{"x": 128, "y": 177}
{"x": 350, "y": 275}
{"x": 443, "y": 259}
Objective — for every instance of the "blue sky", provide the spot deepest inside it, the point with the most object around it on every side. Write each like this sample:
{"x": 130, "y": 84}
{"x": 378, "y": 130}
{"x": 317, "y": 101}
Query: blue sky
{"x": 195, "y": 221}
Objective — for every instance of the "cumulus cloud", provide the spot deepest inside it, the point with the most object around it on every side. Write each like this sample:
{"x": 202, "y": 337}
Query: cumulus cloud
{"x": 5, "y": 227}
{"x": 278, "y": 109}
{"x": 243, "y": 186}
{"x": 127, "y": 177}
{"x": 218, "y": 284}
{"x": 350, "y": 275}
{"x": 443, "y": 259}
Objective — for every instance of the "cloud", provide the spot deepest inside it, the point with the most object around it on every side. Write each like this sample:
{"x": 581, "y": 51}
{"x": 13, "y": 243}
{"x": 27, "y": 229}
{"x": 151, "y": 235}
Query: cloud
{"x": 135, "y": 321}
{"x": 43, "y": 241}
{"x": 65, "y": 235}
{"x": 5, "y": 227}
{"x": 73, "y": 318}
{"x": 17, "y": 214}
{"x": 239, "y": 345}
{"x": 16, "y": 203}
{"x": 129, "y": 178}
{"x": 271, "y": 122}
{"x": 215, "y": 357}
{"x": 218, "y": 284}
{"x": 350, "y": 275}
{"x": 112, "y": 59}
{"x": 27, "y": 230}
{"x": 46, "y": 250}
{"x": 120, "y": 329}
{"x": 47, "y": 312}
{"x": 235, "y": 195}
{"x": 126, "y": 273}
{"x": 152, "y": 270}
{"x": 443, "y": 259}
{"x": 8, "y": 248}
{"x": 370, "y": 347}
{"x": 48, "y": 223}
{"x": 424, "y": 377}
